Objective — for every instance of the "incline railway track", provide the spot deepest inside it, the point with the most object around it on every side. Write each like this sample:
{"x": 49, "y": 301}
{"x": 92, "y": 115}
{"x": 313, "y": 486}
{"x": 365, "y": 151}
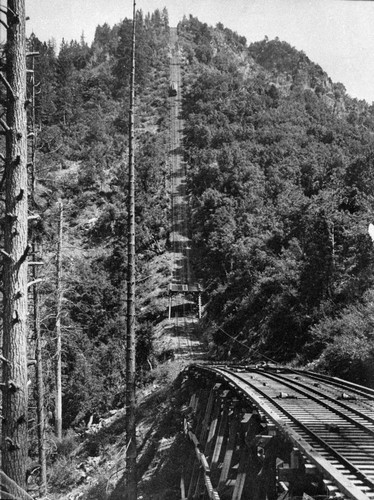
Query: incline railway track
{"x": 180, "y": 238}
{"x": 271, "y": 432}
{"x": 183, "y": 290}
{"x": 183, "y": 326}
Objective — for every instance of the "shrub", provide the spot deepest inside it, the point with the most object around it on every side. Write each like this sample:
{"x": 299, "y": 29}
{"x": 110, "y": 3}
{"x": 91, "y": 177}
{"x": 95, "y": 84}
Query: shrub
{"x": 67, "y": 444}
{"x": 98, "y": 491}
{"x": 350, "y": 357}
{"x": 63, "y": 474}
{"x": 344, "y": 346}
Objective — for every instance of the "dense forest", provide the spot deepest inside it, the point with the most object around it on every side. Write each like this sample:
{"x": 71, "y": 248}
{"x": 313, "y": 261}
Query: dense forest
{"x": 281, "y": 189}
{"x": 281, "y": 175}
{"x": 81, "y": 160}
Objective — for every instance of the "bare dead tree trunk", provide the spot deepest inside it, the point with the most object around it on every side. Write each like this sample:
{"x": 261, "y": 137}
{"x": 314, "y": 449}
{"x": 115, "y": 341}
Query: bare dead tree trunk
{"x": 40, "y": 385}
{"x": 131, "y": 486}
{"x": 58, "y": 328}
{"x": 40, "y": 413}
{"x": 15, "y": 397}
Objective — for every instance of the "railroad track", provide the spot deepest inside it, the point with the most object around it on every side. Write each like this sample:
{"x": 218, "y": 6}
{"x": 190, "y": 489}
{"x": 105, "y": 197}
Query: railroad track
{"x": 182, "y": 275}
{"x": 178, "y": 173}
{"x": 329, "y": 423}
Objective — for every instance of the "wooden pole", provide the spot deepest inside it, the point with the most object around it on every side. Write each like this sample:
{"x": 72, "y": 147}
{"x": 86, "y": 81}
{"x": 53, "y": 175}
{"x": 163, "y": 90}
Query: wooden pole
{"x": 58, "y": 327}
{"x": 131, "y": 489}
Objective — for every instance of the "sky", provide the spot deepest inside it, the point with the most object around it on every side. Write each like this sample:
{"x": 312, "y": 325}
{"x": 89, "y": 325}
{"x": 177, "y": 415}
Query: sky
{"x": 336, "y": 34}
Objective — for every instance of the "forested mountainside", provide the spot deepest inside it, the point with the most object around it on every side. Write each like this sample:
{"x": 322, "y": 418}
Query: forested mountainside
{"x": 82, "y": 157}
{"x": 281, "y": 183}
{"x": 281, "y": 193}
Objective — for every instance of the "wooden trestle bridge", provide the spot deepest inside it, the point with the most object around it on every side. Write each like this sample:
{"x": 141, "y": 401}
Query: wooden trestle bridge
{"x": 274, "y": 433}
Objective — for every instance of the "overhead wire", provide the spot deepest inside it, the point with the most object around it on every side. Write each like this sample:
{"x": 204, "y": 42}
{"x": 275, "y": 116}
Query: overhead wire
{"x": 255, "y": 351}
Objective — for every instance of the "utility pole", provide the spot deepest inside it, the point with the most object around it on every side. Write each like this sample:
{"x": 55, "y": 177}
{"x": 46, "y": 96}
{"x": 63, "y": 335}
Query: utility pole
{"x": 131, "y": 484}
{"x": 14, "y": 437}
{"x": 58, "y": 325}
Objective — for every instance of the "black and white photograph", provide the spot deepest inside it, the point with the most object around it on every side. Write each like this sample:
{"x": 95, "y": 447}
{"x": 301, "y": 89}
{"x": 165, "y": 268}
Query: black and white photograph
{"x": 187, "y": 250}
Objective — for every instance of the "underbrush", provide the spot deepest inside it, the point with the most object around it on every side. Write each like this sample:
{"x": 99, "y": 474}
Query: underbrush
{"x": 349, "y": 357}
{"x": 164, "y": 373}
{"x": 344, "y": 346}
{"x": 88, "y": 466}
{"x": 63, "y": 473}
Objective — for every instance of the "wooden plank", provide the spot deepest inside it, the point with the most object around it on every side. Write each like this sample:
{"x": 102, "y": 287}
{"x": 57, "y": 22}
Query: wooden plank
{"x": 193, "y": 401}
{"x": 213, "y": 426}
{"x": 345, "y": 485}
{"x": 201, "y": 404}
{"x": 193, "y": 438}
{"x": 212, "y": 493}
{"x": 183, "y": 487}
{"x": 199, "y": 485}
{"x": 222, "y": 429}
{"x": 242, "y": 474}
{"x": 204, "y": 463}
{"x": 184, "y": 288}
{"x": 208, "y": 413}
{"x": 261, "y": 440}
{"x": 230, "y": 446}
{"x": 193, "y": 480}
{"x": 244, "y": 456}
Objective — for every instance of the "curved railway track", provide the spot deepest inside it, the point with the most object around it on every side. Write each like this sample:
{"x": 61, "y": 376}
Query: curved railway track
{"x": 328, "y": 421}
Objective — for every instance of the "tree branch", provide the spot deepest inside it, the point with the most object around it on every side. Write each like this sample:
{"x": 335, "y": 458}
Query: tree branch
{"x": 33, "y": 217}
{"x": 6, "y": 254}
{"x": 3, "y": 178}
{"x": 35, "y": 282}
{"x": 4, "y": 359}
{"x": 7, "y": 84}
{"x": 4, "y": 124}
{"x": 4, "y": 24}
{"x": 6, "y": 10}
{"x": 24, "y": 256}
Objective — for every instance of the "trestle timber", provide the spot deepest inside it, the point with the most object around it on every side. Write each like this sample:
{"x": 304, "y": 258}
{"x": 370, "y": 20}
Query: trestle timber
{"x": 271, "y": 434}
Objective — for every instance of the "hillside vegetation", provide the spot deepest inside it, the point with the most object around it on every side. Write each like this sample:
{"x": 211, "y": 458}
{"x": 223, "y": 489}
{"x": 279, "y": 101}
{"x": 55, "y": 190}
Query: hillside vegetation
{"x": 281, "y": 183}
{"x": 281, "y": 187}
{"x": 82, "y": 114}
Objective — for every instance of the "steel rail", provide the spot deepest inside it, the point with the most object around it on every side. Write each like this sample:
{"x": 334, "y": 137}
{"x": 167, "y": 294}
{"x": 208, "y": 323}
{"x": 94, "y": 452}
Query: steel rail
{"x": 359, "y": 474}
{"x": 172, "y": 187}
{"x": 344, "y": 384}
{"x": 338, "y": 402}
{"x": 257, "y": 396}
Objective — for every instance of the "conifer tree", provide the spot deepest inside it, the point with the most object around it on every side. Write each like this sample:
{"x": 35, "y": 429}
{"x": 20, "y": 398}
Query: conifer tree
{"x": 15, "y": 398}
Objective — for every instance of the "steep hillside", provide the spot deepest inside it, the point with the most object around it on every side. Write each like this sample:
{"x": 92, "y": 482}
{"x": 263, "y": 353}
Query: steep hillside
{"x": 281, "y": 191}
{"x": 82, "y": 159}
{"x": 280, "y": 185}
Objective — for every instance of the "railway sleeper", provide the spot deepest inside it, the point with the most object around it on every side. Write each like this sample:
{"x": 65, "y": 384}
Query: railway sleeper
{"x": 240, "y": 454}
